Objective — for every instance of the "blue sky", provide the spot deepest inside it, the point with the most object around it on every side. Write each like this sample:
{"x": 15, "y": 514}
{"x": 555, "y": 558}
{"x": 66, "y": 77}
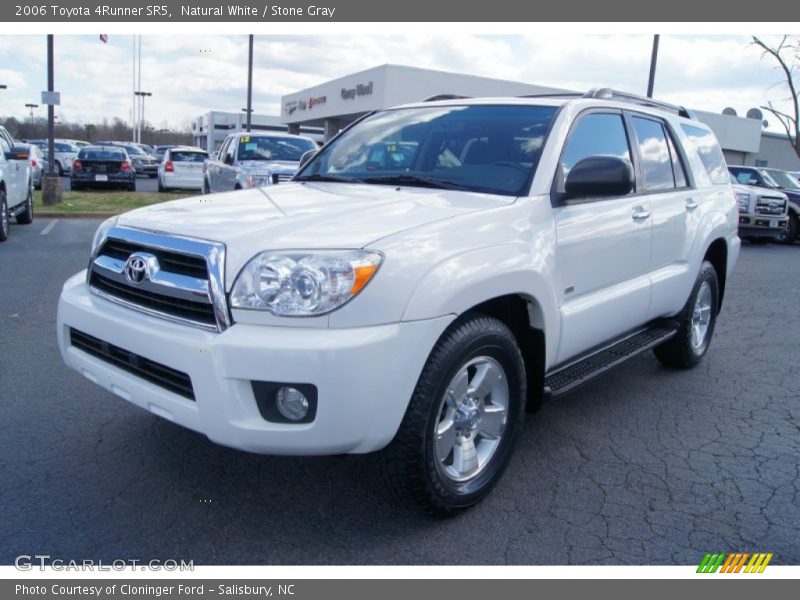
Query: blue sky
{"x": 189, "y": 75}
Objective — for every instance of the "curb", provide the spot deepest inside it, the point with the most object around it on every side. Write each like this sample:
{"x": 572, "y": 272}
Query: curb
{"x": 74, "y": 215}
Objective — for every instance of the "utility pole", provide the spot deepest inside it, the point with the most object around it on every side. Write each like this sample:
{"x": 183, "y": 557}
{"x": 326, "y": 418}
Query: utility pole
{"x": 142, "y": 95}
{"x": 250, "y": 83}
{"x": 31, "y": 107}
{"x": 133, "y": 91}
{"x": 653, "y": 59}
{"x": 139, "y": 86}
{"x": 51, "y": 182}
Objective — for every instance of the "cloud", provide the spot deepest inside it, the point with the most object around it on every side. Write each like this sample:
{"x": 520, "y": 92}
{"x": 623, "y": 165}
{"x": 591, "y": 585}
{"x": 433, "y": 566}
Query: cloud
{"x": 189, "y": 75}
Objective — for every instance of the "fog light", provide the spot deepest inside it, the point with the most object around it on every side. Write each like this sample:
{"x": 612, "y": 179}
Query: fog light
{"x": 291, "y": 403}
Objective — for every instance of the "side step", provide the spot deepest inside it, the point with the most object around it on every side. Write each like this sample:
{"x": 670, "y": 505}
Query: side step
{"x": 567, "y": 377}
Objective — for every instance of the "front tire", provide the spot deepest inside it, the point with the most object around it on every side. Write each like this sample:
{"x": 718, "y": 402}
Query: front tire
{"x": 789, "y": 236}
{"x": 695, "y": 323}
{"x": 59, "y": 169}
{"x": 4, "y": 225}
{"x": 460, "y": 426}
{"x": 26, "y": 216}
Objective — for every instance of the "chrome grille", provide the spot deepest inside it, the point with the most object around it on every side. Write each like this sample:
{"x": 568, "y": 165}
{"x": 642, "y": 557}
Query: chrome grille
{"x": 171, "y": 277}
{"x": 770, "y": 206}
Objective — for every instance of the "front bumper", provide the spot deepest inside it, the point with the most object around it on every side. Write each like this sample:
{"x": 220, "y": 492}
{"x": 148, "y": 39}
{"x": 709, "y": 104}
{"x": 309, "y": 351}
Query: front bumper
{"x": 364, "y": 376}
{"x": 762, "y": 226}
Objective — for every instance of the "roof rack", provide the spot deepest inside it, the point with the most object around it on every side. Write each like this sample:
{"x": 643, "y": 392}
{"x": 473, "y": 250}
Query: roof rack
{"x": 553, "y": 95}
{"x": 445, "y": 97}
{"x": 609, "y": 94}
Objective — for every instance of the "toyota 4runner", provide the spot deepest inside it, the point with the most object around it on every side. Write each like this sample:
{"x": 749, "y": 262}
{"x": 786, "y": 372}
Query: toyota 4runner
{"x": 417, "y": 304}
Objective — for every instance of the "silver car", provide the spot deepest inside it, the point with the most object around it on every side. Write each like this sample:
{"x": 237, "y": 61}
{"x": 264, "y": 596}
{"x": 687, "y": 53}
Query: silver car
{"x": 65, "y": 153}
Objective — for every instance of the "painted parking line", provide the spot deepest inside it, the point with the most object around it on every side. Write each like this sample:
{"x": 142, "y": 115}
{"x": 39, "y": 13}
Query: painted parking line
{"x": 49, "y": 227}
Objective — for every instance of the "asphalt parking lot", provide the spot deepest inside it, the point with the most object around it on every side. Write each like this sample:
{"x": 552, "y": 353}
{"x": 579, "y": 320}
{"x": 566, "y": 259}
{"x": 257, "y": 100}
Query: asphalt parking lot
{"x": 644, "y": 466}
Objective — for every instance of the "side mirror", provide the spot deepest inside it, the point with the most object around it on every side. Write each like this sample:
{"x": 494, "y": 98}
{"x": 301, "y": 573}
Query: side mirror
{"x": 600, "y": 176}
{"x": 228, "y": 159}
{"x": 307, "y": 156}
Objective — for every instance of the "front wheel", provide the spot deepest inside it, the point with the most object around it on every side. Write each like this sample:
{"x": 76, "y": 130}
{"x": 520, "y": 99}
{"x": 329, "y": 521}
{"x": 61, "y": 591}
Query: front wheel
{"x": 26, "y": 216}
{"x": 462, "y": 421}
{"x": 789, "y": 235}
{"x": 59, "y": 169}
{"x": 695, "y": 323}
{"x": 3, "y": 217}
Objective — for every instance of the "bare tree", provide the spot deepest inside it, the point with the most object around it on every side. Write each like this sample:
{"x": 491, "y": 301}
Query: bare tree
{"x": 787, "y": 55}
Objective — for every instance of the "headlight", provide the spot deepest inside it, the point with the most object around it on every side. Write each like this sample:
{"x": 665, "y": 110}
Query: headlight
{"x": 743, "y": 200}
{"x": 101, "y": 232}
{"x": 303, "y": 284}
{"x": 252, "y": 181}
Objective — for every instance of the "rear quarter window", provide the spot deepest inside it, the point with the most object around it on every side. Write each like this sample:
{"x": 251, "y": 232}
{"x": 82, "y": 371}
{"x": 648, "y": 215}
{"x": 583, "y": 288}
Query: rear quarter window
{"x": 707, "y": 147}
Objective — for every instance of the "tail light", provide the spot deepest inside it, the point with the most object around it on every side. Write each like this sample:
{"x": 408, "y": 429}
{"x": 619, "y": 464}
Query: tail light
{"x": 126, "y": 165}
{"x": 33, "y": 163}
{"x": 168, "y": 166}
{"x": 76, "y": 164}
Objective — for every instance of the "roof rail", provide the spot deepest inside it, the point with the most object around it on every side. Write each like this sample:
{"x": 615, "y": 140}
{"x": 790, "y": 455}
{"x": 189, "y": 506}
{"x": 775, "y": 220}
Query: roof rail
{"x": 553, "y": 95}
{"x": 445, "y": 97}
{"x": 609, "y": 94}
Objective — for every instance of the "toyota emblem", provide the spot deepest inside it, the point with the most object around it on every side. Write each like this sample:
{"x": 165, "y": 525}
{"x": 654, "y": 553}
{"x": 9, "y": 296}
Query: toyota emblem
{"x": 140, "y": 266}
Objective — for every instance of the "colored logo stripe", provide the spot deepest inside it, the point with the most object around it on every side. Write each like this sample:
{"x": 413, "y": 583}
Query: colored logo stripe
{"x": 734, "y": 562}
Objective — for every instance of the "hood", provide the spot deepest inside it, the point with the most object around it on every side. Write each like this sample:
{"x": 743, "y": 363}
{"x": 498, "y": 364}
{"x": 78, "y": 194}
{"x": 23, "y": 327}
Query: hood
{"x": 305, "y": 216}
{"x": 793, "y": 195}
{"x": 759, "y": 191}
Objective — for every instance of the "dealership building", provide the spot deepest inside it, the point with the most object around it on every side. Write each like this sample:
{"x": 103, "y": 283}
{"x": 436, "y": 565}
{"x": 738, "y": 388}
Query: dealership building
{"x": 322, "y": 110}
{"x": 332, "y": 105}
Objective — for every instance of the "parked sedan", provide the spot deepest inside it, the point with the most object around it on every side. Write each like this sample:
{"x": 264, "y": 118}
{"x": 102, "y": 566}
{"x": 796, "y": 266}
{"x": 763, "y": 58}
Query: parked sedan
{"x": 65, "y": 153}
{"x": 143, "y": 163}
{"x": 182, "y": 168}
{"x": 162, "y": 149}
{"x": 103, "y": 166}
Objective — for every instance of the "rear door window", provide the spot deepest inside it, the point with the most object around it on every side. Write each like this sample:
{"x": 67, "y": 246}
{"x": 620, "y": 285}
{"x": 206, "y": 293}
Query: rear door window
{"x": 707, "y": 147}
{"x": 656, "y": 162}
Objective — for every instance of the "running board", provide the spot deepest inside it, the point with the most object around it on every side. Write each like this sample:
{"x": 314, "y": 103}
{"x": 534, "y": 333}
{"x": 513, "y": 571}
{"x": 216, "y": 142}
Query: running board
{"x": 577, "y": 372}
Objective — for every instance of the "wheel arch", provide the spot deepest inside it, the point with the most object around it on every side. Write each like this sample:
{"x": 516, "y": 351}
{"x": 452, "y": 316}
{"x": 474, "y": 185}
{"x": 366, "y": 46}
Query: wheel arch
{"x": 717, "y": 255}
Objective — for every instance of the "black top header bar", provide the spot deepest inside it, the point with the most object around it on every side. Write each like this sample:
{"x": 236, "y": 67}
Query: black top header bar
{"x": 496, "y": 11}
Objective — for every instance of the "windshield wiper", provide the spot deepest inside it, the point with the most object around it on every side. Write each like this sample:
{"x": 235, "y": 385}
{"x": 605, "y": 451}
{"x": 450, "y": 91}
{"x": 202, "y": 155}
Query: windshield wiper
{"x": 417, "y": 180}
{"x": 335, "y": 178}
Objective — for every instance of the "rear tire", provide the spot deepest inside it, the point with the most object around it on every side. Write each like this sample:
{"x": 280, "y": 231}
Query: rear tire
{"x": 59, "y": 169}
{"x": 206, "y": 187}
{"x": 790, "y": 235}
{"x": 131, "y": 187}
{"x": 26, "y": 216}
{"x": 4, "y": 224}
{"x": 695, "y": 323}
{"x": 463, "y": 419}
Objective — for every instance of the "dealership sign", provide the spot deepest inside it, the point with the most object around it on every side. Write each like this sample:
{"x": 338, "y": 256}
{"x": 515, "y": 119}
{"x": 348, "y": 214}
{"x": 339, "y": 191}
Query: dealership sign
{"x": 360, "y": 90}
{"x": 305, "y": 104}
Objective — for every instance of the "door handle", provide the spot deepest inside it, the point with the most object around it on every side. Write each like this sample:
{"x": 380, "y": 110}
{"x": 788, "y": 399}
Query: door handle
{"x": 691, "y": 204}
{"x": 640, "y": 213}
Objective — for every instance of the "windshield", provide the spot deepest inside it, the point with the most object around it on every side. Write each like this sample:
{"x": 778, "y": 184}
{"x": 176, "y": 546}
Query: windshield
{"x": 483, "y": 148}
{"x": 782, "y": 179}
{"x": 253, "y": 147}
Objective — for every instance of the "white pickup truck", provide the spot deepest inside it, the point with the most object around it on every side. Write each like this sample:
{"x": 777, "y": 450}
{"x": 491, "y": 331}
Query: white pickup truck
{"x": 429, "y": 274}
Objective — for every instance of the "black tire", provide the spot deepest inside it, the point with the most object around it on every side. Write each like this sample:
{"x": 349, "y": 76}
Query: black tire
{"x": 131, "y": 187}
{"x": 679, "y": 351}
{"x": 152, "y": 175}
{"x": 4, "y": 221}
{"x": 26, "y": 216}
{"x": 206, "y": 187}
{"x": 409, "y": 463}
{"x": 791, "y": 233}
{"x": 75, "y": 186}
{"x": 161, "y": 187}
{"x": 59, "y": 169}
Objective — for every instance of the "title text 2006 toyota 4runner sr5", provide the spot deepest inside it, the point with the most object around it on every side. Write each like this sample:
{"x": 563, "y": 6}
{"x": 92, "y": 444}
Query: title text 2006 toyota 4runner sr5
{"x": 429, "y": 274}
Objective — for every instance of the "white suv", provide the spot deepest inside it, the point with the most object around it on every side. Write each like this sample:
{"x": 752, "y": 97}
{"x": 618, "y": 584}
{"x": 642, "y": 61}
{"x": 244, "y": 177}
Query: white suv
{"x": 429, "y": 274}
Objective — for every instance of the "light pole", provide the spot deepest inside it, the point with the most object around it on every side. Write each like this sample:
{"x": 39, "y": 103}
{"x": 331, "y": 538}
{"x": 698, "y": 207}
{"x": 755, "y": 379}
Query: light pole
{"x": 653, "y": 59}
{"x": 249, "y": 113}
{"x": 249, "y": 109}
{"x": 143, "y": 95}
{"x": 31, "y": 107}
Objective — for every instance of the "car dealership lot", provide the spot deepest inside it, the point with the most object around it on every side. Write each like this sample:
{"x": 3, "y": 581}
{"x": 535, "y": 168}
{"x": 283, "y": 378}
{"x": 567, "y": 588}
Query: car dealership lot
{"x": 643, "y": 466}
